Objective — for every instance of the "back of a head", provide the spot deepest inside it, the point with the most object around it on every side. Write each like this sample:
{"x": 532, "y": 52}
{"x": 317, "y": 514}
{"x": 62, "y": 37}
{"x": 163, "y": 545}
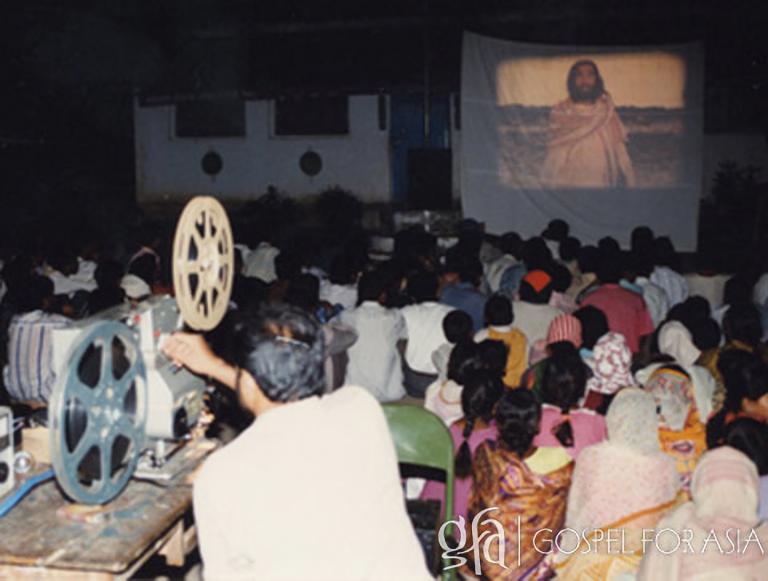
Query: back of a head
{"x": 511, "y": 243}
{"x": 609, "y": 269}
{"x": 642, "y": 239}
{"x": 569, "y": 249}
{"x": 287, "y": 265}
{"x": 480, "y": 395}
{"x": 498, "y": 311}
{"x": 535, "y": 254}
{"x": 632, "y": 420}
{"x": 745, "y": 376}
{"x": 518, "y": 416}
{"x": 39, "y": 289}
{"x": 565, "y": 376}
{"x": 641, "y": 263}
{"x": 282, "y": 347}
{"x": 588, "y": 259}
{"x": 343, "y": 270}
{"x": 742, "y": 323}
{"x": 608, "y": 244}
{"x": 706, "y": 334}
{"x": 304, "y": 292}
{"x": 556, "y": 230}
{"x": 470, "y": 269}
{"x": 750, "y": 437}
{"x": 594, "y": 324}
{"x": 108, "y": 274}
{"x": 422, "y": 286}
{"x": 145, "y": 268}
{"x": 561, "y": 277}
{"x": 464, "y": 362}
{"x": 493, "y": 356}
{"x": 725, "y": 485}
{"x": 457, "y": 326}
{"x": 62, "y": 259}
{"x": 370, "y": 287}
{"x": 664, "y": 252}
{"x": 737, "y": 290}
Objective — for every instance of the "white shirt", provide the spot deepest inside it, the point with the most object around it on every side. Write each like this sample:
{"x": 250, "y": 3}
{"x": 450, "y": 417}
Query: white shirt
{"x": 533, "y": 320}
{"x": 374, "y": 361}
{"x": 424, "y": 328}
{"x": 310, "y": 490}
{"x": 339, "y": 294}
{"x": 496, "y": 269}
{"x": 68, "y": 285}
{"x": 655, "y": 299}
{"x": 29, "y": 374}
{"x": 261, "y": 262}
{"x": 440, "y": 358}
{"x": 673, "y": 283}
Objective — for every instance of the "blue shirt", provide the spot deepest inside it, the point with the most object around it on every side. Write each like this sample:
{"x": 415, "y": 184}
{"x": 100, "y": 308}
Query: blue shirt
{"x": 464, "y": 296}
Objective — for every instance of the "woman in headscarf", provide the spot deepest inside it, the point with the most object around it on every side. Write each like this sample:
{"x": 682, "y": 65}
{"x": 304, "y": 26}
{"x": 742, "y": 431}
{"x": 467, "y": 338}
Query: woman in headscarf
{"x": 610, "y": 364}
{"x": 623, "y": 484}
{"x": 522, "y": 487}
{"x": 723, "y": 506}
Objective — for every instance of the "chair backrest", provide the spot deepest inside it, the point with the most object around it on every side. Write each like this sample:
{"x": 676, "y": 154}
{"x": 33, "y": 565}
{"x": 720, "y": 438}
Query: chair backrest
{"x": 422, "y": 439}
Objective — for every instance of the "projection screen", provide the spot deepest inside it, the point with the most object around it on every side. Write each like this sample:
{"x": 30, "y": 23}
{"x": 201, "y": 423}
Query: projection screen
{"x": 606, "y": 138}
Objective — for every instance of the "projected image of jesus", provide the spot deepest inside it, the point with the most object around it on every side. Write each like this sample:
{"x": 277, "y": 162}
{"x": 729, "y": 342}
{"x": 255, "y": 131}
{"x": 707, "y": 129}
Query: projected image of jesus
{"x": 587, "y": 146}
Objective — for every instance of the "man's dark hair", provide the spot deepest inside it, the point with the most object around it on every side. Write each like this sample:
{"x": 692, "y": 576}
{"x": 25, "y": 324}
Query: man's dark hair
{"x": 457, "y": 326}
{"x": 561, "y": 277}
{"x": 737, "y": 290}
{"x": 287, "y": 265}
{"x": 742, "y": 323}
{"x": 304, "y": 292}
{"x": 594, "y": 324}
{"x": 422, "y": 286}
{"x": 343, "y": 270}
{"x": 511, "y": 243}
{"x": 569, "y": 249}
{"x": 664, "y": 253}
{"x": 589, "y": 256}
{"x": 370, "y": 287}
{"x": 556, "y": 230}
{"x": 609, "y": 269}
{"x": 608, "y": 244}
{"x": 282, "y": 348}
{"x": 108, "y": 274}
{"x": 62, "y": 259}
{"x": 705, "y": 333}
{"x": 39, "y": 288}
{"x": 535, "y": 254}
{"x": 642, "y": 239}
{"x": 470, "y": 269}
{"x": 599, "y": 85}
{"x": 498, "y": 311}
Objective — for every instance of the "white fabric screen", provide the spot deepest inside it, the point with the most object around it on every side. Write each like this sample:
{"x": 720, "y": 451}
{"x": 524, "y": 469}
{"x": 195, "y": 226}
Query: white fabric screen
{"x": 535, "y": 147}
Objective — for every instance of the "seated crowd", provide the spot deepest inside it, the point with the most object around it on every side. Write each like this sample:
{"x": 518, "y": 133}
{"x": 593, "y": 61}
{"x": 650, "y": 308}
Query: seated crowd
{"x": 585, "y": 388}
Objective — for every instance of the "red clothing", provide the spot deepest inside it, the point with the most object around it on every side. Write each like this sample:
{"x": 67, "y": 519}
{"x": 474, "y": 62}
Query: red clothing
{"x": 625, "y": 310}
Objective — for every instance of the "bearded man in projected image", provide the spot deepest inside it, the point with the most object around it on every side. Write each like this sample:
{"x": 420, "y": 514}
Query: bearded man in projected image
{"x": 587, "y": 145}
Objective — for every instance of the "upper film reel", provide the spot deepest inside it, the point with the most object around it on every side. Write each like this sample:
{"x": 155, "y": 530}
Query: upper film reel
{"x": 97, "y": 414}
{"x": 203, "y": 263}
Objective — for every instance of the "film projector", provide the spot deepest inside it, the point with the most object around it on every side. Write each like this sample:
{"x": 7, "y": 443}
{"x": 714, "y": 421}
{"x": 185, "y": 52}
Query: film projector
{"x": 119, "y": 407}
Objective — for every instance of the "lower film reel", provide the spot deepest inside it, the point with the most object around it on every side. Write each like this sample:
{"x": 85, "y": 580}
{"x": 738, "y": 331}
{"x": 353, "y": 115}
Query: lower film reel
{"x": 97, "y": 414}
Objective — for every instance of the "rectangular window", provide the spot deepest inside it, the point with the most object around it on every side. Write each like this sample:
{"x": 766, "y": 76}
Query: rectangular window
{"x": 211, "y": 118}
{"x": 312, "y": 116}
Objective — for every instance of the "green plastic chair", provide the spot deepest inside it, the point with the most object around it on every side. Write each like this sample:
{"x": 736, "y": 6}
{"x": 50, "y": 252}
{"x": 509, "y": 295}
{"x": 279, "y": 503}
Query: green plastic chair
{"x": 422, "y": 439}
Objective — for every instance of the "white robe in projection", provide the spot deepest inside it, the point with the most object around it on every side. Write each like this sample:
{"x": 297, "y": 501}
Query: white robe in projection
{"x": 587, "y": 147}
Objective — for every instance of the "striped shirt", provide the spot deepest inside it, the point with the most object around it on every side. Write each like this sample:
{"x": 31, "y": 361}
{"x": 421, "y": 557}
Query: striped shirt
{"x": 29, "y": 374}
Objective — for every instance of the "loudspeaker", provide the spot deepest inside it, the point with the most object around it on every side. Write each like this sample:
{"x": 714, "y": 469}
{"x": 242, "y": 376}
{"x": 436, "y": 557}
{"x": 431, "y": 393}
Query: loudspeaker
{"x": 429, "y": 179}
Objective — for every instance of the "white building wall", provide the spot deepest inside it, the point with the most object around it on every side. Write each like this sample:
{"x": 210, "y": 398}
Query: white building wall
{"x": 168, "y": 168}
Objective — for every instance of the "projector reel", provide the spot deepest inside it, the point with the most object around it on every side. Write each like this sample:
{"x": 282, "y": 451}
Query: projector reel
{"x": 97, "y": 414}
{"x": 203, "y": 263}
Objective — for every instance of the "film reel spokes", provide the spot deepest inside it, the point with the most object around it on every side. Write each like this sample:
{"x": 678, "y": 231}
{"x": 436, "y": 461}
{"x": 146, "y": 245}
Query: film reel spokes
{"x": 98, "y": 414}
{"x": 203, "y": 263}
